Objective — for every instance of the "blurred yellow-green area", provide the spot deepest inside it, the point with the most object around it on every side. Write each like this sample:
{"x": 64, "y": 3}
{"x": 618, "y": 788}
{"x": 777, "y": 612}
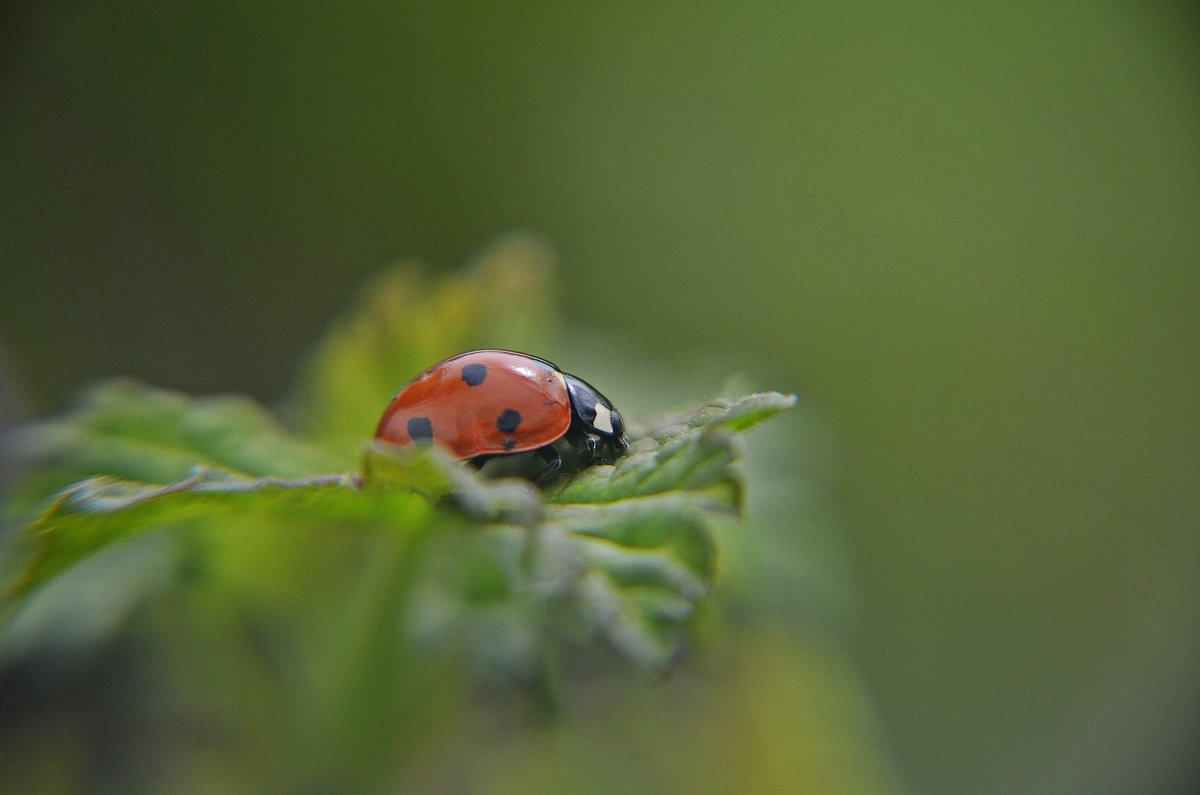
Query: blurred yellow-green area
{"x": 967, "y": 236}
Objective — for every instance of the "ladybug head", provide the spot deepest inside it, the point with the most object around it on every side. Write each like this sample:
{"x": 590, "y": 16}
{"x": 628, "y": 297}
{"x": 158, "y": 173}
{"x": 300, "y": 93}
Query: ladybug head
{"x": 595, "y": 413}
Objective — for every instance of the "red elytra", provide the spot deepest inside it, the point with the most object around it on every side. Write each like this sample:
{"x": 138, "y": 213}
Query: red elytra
{"x": 481, "y": 403}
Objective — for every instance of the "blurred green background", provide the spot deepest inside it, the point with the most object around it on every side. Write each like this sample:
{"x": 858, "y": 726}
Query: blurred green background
{"x": 967, "y": 236}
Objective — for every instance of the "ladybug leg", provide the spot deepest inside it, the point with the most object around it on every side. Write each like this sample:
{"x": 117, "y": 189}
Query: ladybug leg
{"x": 478, "y": 461}
{"x": 588, "y": 447}
{"x": 548, "y": 454}
{"x": 616, "y": 446}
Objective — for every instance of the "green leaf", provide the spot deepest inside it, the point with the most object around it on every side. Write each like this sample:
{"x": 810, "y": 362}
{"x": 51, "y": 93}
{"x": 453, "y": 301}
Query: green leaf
{"x": 125, "y": 429}
{"x": 99, "y": 512}
{"x": 622, "y": 552}
{"x": 669, "y": 526}
{"x": 692, "y": 452}
{"x": 436, "y": 475}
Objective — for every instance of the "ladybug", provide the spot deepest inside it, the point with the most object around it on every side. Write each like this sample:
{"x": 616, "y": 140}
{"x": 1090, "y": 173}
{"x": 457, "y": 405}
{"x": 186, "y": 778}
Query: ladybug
{"x": 489, "y": 403}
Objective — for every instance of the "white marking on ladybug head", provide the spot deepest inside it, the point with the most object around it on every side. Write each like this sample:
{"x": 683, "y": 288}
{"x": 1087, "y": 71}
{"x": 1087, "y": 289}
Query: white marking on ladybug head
{"x": 603, "y": 421}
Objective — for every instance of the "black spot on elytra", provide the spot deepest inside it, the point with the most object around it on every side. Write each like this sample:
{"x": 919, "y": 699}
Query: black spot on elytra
{"x": 420, "y": 429}
{"x": 510, "y": 444}
{"x": 474, "y": 374}
{"x": 508, "y": 420}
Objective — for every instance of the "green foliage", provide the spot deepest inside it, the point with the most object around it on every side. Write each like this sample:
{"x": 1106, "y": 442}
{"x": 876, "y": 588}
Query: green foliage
{"x": 624, "y": 550}
{"x": 204, "y": 523}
